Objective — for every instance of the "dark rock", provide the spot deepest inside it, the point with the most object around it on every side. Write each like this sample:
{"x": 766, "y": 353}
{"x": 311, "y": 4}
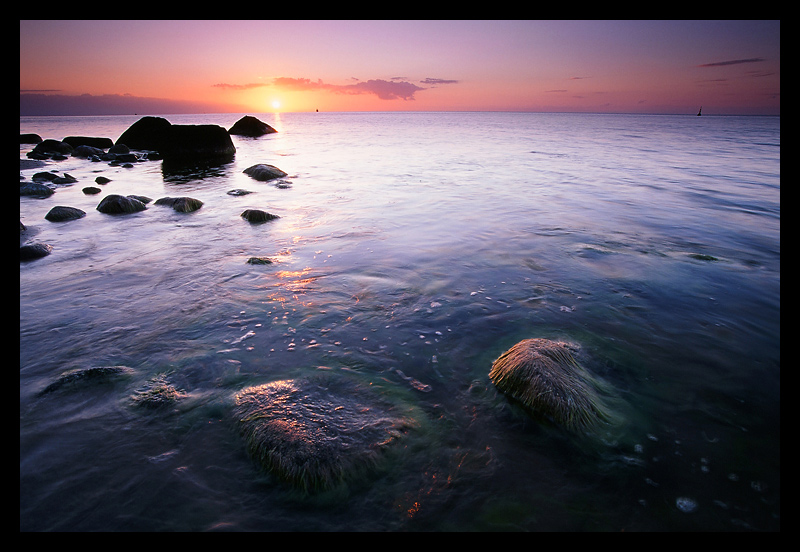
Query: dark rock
{"x": 25, "y": 164}
{"x": 44, "y": 176}
{"x": 31, "y": 252}
{"x": 119, "y": 148}
{"x": 239, "y": 192}
{"x": 250, "y": 126}
{"x": 99, "y": 143}
{"x": 180, "y": 204}
{"x": 102, "y": 180}
{"x": 91, "y": 190}
{"x": 29, "y": 138}
{"x": 257, "y": 215}
{"x": 264, "y": 172}
{"x": 178, "y": 141}
{"x": 60, "y": 213}
{"x": 143, "y": 199}
{"x": 117, "y": 205}
{"x": 52, "y": 146}
{"x": 259, "y": 261}
{"x": 148, "y": 133}
{"x": 65, "y": 179}
{"x": 86, "y": 151}
{"x": 35, "y": 189}
{"x": 85, "y": 376}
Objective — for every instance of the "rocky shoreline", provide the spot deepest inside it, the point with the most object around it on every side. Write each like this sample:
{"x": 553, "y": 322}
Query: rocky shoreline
{"x": 149, "y": 139}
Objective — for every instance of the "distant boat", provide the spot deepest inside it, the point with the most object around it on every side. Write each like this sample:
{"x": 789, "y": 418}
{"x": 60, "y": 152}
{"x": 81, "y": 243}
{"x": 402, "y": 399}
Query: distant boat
{"x": 700, "y": 112}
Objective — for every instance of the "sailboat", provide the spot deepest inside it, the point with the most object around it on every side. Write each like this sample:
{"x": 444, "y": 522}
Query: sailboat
{"x": 700, "y": 112}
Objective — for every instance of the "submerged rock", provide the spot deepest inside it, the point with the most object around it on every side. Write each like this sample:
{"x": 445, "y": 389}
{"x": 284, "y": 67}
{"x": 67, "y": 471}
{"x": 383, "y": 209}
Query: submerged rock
{"x": 264, "y": 172}
{"x": 157, "y": 392}
{"x": 96, "y": 374}
{"x": 318, "y": 431}
{"x": 548, "y": 381}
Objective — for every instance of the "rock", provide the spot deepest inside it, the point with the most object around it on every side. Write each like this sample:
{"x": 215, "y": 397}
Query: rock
{"x": 157, "y": 392}
{"x": 264, "y": 172}
{"x": 65, "y": 179}
{"x": 44, "y": 176}
{"x": 116, "y": 204}
{"x": 259, "y": 261}
{"x": 316, "y": 432}
{"x": 102, "y": 180}
{"x": 35, "y": 189}
{"x": 91, "y": 190}
{"x": 148, "y": 133}
{"x": 86, "y": 151}
{"x": 257, "y": 215}
{"x": 33, "y": 251}
{"x": 178, "y": 142}
{"x": 119, "y": 149}
{"x": 250, "y": 126}
{"x": 29, "y": 138}
{"x": 547, "y": 380}
{"x": 180, "y": 204}
{"x": 239, "y": 192}
{"x": 97, "y": 143}
{"x": 60, "y": 213}
{"x": 98, "y": 374}
{"x": 50, "y": 146}
{"x": 143, "y": 199}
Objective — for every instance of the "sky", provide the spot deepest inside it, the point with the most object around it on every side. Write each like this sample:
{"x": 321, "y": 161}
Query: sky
{"x": 197, "y": 66}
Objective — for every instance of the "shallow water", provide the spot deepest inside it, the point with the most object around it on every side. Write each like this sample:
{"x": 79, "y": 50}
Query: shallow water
{"x": 412, "y": 249}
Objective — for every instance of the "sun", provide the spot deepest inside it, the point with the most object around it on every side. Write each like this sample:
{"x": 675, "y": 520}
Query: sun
{"x": 276, "y": 104}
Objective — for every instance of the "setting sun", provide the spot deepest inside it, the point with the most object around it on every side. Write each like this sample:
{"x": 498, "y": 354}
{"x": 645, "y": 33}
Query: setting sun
{"x": 276, "y": 104}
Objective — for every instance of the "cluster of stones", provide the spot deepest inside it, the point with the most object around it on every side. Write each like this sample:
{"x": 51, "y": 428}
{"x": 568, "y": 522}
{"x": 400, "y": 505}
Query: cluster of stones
{"x": 153, "y": 138}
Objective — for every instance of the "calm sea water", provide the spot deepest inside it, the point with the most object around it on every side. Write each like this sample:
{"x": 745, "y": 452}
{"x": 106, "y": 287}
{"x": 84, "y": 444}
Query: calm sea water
{"x": 412, "y": 249}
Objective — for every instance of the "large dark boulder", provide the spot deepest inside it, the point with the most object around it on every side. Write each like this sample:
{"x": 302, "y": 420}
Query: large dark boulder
{"x": 33, "y": 251}
{"x": 148, "y": 133}
{"x": 250, "y": 126}
{"x": 29, "y": 138}
{"x": 178, "y": 142}
{"x": 35, "y": 189}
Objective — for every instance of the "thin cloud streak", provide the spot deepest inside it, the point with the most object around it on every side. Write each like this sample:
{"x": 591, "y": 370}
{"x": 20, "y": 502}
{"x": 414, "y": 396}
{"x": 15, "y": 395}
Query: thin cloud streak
{"x": 732, "y": 62}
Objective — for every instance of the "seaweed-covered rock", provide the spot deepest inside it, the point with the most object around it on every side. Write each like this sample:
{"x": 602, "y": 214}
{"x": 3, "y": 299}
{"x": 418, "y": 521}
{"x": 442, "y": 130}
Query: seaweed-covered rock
{"x": 318, "y": 431}
{"x": 264, "y": 172}
{"x": 61, "y": 213}
{"x": 250, "y": 126}
{"x": 157, "y": 392}
{"x": 180, "y": 204}
{"x": 115, "y": 204}
{"x": 257, "y": 215}
{"x": 545, "y": 377}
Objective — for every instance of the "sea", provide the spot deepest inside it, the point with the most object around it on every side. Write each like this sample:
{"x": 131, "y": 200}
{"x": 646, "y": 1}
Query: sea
{"x": 411, "y": 250}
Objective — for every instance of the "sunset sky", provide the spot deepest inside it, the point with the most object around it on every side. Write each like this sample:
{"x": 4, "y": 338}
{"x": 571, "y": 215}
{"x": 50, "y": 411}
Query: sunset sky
{"x": 162, "y": 67}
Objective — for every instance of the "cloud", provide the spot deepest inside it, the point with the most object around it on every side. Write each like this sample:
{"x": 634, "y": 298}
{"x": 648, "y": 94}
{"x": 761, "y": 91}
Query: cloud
{"x": 239, "y": 86}
{"x": 385, "y": 90}
{"x": 438, "y": 81}
{"x": 112, "y": 104}
{"x": 732, "y": 62}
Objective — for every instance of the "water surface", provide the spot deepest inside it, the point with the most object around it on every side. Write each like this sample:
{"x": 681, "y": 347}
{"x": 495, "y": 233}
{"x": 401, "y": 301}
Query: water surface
{"x": 412, "y": 249}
